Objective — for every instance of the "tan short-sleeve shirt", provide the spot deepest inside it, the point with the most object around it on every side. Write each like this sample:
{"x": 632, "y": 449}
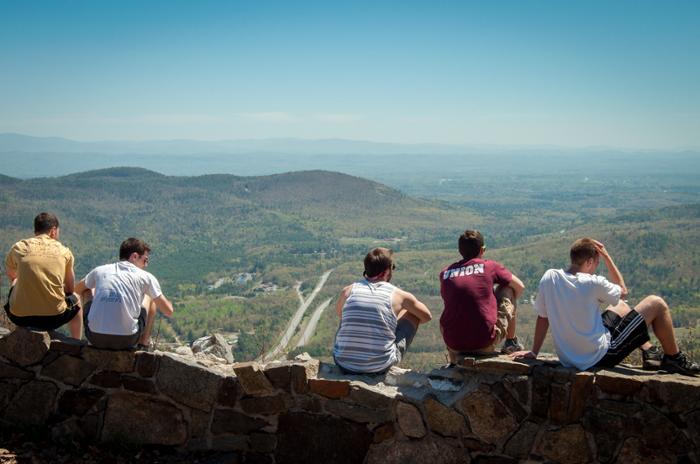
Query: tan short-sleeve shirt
{"x": 41, "y": 264}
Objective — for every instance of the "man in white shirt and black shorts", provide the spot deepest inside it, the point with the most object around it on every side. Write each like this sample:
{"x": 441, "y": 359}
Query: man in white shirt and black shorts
{"x": 120, "y": 300}
{"x": 568, "y": 301}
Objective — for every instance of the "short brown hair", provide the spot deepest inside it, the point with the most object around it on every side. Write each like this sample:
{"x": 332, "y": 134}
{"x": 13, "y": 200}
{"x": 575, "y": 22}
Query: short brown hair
{"x": 582, "y": 250}
{"x": 131, "y": 245}
{"x": 470, "y": 244}
{"x": 44, "y": 222}
{"x": 377, "y": 261}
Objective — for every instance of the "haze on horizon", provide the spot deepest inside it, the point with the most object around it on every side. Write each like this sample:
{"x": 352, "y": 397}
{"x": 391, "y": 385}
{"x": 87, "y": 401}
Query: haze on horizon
{"x": 619, "y": 74}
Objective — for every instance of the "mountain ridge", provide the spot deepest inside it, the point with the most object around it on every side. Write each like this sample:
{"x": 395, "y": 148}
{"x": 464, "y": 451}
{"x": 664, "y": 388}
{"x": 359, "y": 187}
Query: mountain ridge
{"x": 210, "y": 223}
{"x": 21, "y": 143}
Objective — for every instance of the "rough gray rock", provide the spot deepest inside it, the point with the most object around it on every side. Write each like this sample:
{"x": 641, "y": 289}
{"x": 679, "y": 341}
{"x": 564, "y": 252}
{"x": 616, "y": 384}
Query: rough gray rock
{"x": 430, "y": 451}
{"x": 132, "y": 418}
{"x": 32, "y": 405}
{"x": 410, "y": 420}
{"x": 213, "y": 344}
{"x": 299, "y": 434}
{"x": 25, "y": 347}
{"x": 252, "y": 378}
{"x": 188, "y": 383}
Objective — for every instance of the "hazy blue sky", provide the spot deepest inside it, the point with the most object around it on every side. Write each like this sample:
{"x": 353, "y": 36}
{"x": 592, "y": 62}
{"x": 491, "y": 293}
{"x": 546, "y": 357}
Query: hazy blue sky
{"x": 616, "y": 73}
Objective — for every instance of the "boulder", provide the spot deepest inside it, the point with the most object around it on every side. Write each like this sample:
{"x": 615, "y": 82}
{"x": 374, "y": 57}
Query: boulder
{"x": 32, "y": 405}
{"x": 410, "y": 420}
{"x": 443, "y": 420}
{"x": 214, "y": 344}
{"x": 334, "y": 389}
{"x": 490, "y": 420}
{"x": 252, "y": 379}
{"x": 228, "y": 421}
{"x": 69, "y": 370}
{"x": 428, "y": 451}
{"x": 184, "y": 351}
{"x": 565, "y": 445}
{"x": 131, "y": 418}
{"x": 25, "y": 347}
{"x": 187, "y": 383}
{"x": 299, "y": 434}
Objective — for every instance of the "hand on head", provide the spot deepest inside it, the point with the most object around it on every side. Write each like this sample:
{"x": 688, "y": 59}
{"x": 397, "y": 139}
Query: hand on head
{"x": 600, "y": 248}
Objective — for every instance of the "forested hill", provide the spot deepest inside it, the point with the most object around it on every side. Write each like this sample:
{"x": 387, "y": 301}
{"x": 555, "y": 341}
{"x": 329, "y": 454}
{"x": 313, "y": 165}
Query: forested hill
{"x": 8, "y": 180}
{"x": 204, "y": 224}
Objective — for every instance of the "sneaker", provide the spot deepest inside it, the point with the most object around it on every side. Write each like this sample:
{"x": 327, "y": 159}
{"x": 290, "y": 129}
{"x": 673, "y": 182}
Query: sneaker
{"x": 651, "y": 358}
{"x": 679, "y": 365}
{"x": 511, "y": 345}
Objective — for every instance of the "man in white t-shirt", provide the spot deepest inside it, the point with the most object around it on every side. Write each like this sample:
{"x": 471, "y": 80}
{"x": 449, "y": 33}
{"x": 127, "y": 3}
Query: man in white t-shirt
{"x": 568, "y": 302}
{"x": 120, "y": 300}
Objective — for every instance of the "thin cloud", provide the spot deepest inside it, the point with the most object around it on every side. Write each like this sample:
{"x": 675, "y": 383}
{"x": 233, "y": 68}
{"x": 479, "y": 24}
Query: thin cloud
{"x": 337, "y": 118}
{"x": 271, "y": 117}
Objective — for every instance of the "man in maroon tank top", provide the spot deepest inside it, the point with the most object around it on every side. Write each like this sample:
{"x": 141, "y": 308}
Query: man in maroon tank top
{"x": 480, "y": 299}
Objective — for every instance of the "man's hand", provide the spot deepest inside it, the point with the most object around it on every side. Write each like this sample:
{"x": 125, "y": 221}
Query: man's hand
{"x": 600, "y": 248}
{"x": 615, "y": 274}
{"x": 523, "y": 355}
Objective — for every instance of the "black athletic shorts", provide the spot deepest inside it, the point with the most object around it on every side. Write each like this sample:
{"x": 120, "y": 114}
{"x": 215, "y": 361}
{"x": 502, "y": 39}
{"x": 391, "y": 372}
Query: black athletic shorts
{"x": 627, "y": 334}
{"x": 45, "y": 323}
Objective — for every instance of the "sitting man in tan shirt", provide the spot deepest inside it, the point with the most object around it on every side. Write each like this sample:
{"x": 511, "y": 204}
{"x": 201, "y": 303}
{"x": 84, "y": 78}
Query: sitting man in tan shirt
{"x": 40, "y": 269}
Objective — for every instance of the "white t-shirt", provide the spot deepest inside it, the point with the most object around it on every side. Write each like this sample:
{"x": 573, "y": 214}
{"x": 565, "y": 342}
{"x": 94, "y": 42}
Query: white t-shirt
{"x": 119, "y": 291}
{"x": 572, "y": 305}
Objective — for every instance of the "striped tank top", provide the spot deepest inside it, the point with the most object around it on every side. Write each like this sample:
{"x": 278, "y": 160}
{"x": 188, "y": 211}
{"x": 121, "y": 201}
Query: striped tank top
{"x": 365, "y": 339}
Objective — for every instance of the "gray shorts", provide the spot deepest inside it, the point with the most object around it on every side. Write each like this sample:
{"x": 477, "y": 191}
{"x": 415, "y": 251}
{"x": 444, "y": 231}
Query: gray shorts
{"x": 405, "y": 331}
{"x": 113, "y": 342}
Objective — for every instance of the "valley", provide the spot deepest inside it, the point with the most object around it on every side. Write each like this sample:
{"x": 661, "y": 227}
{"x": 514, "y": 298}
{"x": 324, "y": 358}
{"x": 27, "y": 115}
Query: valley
{"x": 262, "y": 259}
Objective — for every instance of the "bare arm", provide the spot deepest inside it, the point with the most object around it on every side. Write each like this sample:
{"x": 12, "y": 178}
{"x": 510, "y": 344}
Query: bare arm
{"x": 405, "y": 300}
{"x": 615, "y": 274}
{"x": 164, "y": 305}
{"x": 10, "y": 267}
{"x": 81, "y": 289}
{"x": 341, "y": 300}
{"x": 517, "y": 285}
{"x": 69, "y": 281}
{"x": 541, "y": 327}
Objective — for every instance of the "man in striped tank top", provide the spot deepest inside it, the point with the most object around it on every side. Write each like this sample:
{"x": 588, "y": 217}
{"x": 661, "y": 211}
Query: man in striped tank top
{"x": 377, "y": 320}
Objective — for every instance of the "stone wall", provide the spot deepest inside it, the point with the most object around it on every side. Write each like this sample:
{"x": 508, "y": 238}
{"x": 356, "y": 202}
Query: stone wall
{"x": 490, "y": 410}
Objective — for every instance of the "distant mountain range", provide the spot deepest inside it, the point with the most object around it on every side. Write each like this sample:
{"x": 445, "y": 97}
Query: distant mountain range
{"x": 28, "y": 144}
{"x": 394, "y": 164}
{"x": 10, "y": 142}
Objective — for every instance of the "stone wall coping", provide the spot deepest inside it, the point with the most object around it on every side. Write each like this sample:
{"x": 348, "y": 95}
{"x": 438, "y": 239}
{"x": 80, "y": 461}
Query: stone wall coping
{"x": 487, "y": 407}
{"x": 398, "y": 378}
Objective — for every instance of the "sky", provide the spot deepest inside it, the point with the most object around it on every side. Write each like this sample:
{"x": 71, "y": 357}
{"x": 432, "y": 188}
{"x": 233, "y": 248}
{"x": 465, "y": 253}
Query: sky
{"x": 622, "y": 73}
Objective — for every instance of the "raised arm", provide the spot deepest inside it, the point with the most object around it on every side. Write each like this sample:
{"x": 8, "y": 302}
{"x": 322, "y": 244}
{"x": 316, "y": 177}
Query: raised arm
{"x": 615, "y": 274}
